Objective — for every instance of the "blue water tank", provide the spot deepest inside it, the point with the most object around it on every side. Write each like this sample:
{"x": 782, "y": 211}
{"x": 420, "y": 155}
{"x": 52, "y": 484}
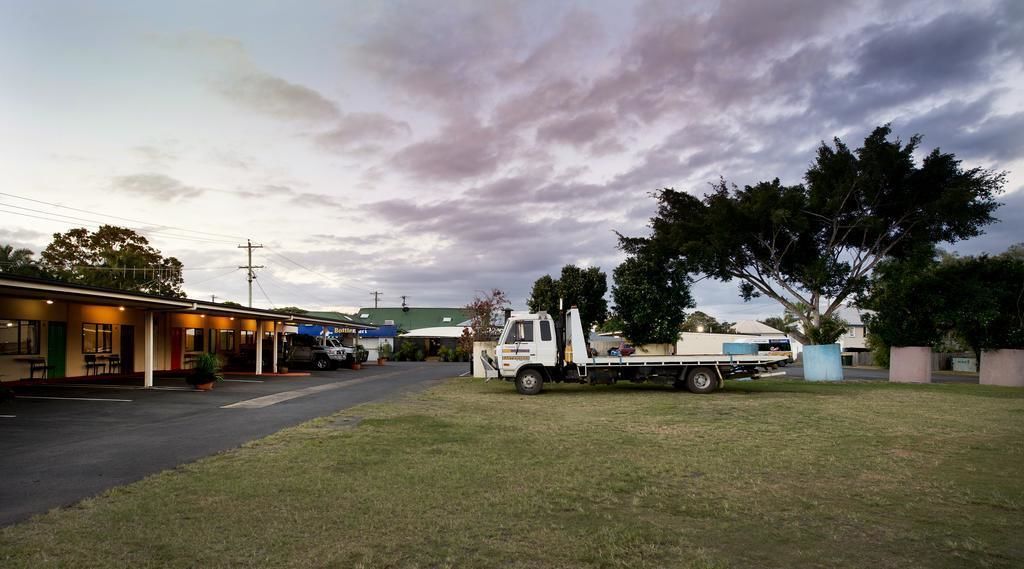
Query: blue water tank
{"x": 822, "y": 363}
{"x": 739, "y": 349}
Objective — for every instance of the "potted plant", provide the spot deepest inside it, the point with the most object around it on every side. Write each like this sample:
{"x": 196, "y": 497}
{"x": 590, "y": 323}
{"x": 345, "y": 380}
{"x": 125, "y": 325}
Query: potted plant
{"x": 383, "y": 353}
{"x": 205, "y": 372}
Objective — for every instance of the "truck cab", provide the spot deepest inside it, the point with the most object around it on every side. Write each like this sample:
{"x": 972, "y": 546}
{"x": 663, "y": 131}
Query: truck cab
{"x": 527, "y": 340}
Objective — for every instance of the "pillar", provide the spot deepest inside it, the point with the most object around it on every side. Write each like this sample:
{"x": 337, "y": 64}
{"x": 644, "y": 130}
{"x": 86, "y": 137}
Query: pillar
{"x": 259, "y": 347}
{"x": 273, "y": 360}
{"x": 147, "y": 374}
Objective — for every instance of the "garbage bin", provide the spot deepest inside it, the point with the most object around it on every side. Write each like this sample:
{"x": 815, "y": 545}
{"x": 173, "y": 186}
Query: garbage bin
{"x": 847, "y": 360}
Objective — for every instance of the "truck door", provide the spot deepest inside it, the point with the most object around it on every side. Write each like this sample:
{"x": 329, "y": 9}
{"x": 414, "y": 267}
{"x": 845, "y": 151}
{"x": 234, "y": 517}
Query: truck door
{"x": 517, "y": 348}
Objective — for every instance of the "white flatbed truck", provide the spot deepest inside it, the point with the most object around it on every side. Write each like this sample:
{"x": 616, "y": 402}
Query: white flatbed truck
{"x": 534, "y": 349}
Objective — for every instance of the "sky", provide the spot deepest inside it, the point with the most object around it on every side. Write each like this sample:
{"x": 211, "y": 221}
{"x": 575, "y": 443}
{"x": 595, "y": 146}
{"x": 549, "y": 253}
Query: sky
{"x": 439, "y": 149}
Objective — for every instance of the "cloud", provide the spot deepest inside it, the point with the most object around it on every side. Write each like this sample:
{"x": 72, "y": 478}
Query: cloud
{"x": 156, "y": 186}
{"x": 355, "y": 129}
{"x": 266, "y": 94}
{"x": 463, "y": 150}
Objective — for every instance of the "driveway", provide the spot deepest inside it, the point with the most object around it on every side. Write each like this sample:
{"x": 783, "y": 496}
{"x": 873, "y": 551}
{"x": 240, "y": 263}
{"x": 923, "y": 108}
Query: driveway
{"x": 60, "y": 444}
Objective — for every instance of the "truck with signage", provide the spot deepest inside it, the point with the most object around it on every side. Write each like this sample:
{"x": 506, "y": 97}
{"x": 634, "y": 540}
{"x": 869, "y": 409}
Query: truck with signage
{"x": 535, "y": 349}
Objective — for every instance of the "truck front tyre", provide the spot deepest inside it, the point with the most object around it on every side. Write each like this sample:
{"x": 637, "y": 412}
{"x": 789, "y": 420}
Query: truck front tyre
{"x": 529, "y": 382}
{"x": 702, "y": 380}
{"x": 321, "y": 363}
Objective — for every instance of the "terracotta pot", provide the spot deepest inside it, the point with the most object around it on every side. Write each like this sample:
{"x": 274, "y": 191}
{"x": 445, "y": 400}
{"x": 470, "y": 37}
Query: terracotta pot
{"x": 204, "y": 386}
{"x": 357, "y": 365}
{"x": 380, "y": 361}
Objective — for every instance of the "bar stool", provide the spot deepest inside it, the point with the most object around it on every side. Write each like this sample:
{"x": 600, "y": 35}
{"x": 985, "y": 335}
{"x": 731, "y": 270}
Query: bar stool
{"x": 91, "y": 364}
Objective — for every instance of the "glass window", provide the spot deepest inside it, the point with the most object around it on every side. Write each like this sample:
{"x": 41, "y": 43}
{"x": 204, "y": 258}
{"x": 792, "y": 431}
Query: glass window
{"x": 194, "y": 339}
{"x": 545, "y": 331}
{"x": 520, "y": 331}
{"x": 226, "y": 340}
{"x": 248, "y": 337}
{"x": 19, "y": 337}
{"x": 97, "y": 338}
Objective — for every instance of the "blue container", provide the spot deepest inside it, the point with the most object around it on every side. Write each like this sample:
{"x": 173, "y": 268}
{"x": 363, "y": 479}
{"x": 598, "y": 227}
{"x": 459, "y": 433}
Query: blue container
{"x": 739, "y": 349}
{"x": 822, "y": 363}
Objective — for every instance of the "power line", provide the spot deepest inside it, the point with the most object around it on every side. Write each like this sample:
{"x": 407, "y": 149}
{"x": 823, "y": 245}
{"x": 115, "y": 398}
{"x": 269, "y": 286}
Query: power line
{"x": 251, "y": 276}
{"x": 330, "y": 279}
{"x": 115, "y": 216}
{"x": 264, "y": 296}
{"x": 376, "y": 296}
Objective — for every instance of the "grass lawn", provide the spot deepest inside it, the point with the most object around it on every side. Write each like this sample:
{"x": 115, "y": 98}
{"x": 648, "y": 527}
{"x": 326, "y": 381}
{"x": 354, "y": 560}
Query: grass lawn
{"x": 767, "y": 474}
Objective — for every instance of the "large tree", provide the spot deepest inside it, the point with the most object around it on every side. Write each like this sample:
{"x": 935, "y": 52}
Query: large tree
{"x": 112, "y": 257}
{"x": 913, "y": 303}
{"x": 582, "y": 288}
{"x": 701, "y": 322}
{"x": 812, "y": 246}
{"x": 19, "y": 262}
{"x": 651, "y": 295}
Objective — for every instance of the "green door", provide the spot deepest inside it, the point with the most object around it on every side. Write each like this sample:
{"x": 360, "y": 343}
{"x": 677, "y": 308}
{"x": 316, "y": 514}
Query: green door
{"x": 57, "y": 348}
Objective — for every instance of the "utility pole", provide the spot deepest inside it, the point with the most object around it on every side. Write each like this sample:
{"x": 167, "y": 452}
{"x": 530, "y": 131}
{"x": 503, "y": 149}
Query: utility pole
{"x": 213, "y": 298}
{"x": 249, "y": 267}
{"x": 376, "y": 295}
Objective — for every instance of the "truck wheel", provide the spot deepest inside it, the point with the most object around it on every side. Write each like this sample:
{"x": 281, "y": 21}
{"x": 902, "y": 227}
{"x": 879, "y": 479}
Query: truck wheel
{"x": 321, "y": 363}
{"x": 702, "y": 380}
{"x": 529, "y": 382}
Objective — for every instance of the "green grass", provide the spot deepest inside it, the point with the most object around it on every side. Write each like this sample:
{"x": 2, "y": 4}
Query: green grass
{"x": 768, "y": 474}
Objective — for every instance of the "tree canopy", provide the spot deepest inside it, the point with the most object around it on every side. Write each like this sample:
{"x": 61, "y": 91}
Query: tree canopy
{"x": 583, "y": 288}
{"x": 913, "y": 303}
{"x": 112, "y": 257}
{"x": 812, "y": 246}
{"x": 651, "y": 295}
{"x": 701, "y": 322}
{"x": 486, "y": 312}
{"x": 19, "y": 262}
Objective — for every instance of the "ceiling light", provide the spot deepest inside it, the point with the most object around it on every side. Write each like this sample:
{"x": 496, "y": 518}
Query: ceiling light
{"x": 49, "y": 302}
{"x": 121, "y": 308}
{"x": 202, "y": 316}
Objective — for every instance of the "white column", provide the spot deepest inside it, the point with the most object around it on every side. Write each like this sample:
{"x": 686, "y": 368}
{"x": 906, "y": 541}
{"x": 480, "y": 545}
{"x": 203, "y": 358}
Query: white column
{"x": 273, "y": 363}
{"x": 259, "y": 347}
{"x": 147, "y": 375}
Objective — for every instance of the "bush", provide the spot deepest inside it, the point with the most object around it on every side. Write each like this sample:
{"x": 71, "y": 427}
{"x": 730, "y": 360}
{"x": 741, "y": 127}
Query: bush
{"x": 205, "y": 370}
{"x": 384, "y": 351}
{"x": 408, "y": 352}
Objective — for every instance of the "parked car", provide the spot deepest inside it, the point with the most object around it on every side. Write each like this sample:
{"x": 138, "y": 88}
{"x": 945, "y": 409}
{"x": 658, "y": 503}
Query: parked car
{"x": 317, "y": 352}
{"x": 623, "y": 350}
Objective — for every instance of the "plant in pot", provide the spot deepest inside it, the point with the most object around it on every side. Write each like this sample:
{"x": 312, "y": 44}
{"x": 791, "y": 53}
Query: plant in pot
{"x": 205, "y": 372}
{"x": 383, "y": 353}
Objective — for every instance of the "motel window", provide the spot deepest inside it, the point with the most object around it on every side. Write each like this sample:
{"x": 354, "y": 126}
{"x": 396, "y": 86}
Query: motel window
{"x": 226, "y": 340}
{"x": 194, "y": 339}
{"x": 97, "y": 338}
{"x": 248, "y": 338}
{"x": 19, "y": 337}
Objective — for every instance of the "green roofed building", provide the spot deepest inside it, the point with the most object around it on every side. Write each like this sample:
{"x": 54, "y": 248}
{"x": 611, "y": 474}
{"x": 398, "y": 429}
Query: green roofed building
{"x": 414, "y": 318}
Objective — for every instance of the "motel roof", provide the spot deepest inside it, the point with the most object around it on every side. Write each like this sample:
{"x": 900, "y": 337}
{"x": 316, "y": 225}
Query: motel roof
{"x": 46, "y": 289}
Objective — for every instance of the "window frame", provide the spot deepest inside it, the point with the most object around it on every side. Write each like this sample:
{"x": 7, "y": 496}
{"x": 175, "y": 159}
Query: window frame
{"x": 19, "y": 325}
{"x": 198, "y": 343}
{"x": 99, "y": 330}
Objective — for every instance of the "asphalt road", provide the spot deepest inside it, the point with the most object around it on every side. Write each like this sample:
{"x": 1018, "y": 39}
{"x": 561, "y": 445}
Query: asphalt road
{"x": 60, "y": 444}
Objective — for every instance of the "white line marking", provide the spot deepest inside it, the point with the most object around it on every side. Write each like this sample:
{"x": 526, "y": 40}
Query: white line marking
{"x": 245, "y": 380}
{"x": 268, "y": 400}
{"x": 464, "y": 374}
{"x": 93, "y": 386}
{"x": 7, "y": 416}
{"x": 70, "y": 398}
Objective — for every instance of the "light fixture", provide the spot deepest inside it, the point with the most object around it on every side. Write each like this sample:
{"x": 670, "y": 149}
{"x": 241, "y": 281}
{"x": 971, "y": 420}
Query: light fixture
{"x": 49, "y": 302}
{"x": 202, "y": 316}
{"x": 232, "y": 318}
{"x": 121, "y": 308}
{"x": 10, "y": 324}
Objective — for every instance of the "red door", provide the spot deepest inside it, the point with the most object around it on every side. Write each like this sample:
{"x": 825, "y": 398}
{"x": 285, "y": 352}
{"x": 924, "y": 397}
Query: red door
{"x": 176, "y": 348}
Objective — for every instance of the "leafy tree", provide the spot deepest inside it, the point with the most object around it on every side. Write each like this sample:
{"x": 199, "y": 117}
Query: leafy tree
{"x": 914, "y": 305}
{"x": 232, "y": 304}
{"x": 785, "y": 323}
{"x": 283, "y": 309}
{"x": 701, "y": 322}
{"x": 19, "y": 262}
{"x": 582, "y": 288}
{"x": 112, "y": 257}
{"x": 485, "y": 313}
{"x": 812, "y": 246}
{"x": 651, "y": 295}
{"x": 614, "y": 322}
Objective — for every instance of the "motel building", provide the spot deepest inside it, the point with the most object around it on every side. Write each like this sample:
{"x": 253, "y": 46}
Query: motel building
{"x": 52, "y": 330}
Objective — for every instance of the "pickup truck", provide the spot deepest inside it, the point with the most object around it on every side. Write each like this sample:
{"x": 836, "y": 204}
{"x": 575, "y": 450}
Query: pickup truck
{"x": 318, "y": 352}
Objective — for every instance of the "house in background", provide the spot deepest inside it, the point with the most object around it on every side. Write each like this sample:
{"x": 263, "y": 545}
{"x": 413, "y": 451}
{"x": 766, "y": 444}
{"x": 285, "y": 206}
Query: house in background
{"x": 854, "y": 345}
{"x": 431, "y": 328}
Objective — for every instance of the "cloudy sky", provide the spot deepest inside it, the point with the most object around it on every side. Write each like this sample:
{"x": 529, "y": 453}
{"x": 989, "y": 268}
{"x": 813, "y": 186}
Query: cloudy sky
{"x": 435, "y": 149}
